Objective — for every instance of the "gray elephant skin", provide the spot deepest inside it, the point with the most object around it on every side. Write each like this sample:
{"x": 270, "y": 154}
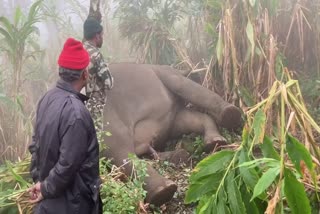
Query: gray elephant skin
{"x": 146, "y": 108}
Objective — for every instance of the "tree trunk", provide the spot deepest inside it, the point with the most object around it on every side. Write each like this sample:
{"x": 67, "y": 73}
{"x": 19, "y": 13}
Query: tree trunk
{"x": 94, "y": 10}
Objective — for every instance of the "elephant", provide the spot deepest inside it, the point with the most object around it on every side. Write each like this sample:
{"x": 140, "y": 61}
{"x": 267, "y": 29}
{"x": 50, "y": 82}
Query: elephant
{"x": 147, "y": 107}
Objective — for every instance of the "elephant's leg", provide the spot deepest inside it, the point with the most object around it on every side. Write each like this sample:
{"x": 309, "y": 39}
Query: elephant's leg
{"x": 119, "y": 145}
{"x": 146, "y": 132}
{"x": 159, "y": 189}
{"x": 225, "y": 114}
{"x": 176, "y": 157}
{"x": 192, "y": 121}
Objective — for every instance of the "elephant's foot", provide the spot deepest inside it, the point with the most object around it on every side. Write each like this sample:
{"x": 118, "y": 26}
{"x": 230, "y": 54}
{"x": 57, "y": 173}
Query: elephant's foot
{"x": 212, "y": 142}
{"x": 154, "y": 154}
{"x": 162, "y": 194}
{"x": 230, "y": 117}
{"x": 176, "y": 157}
{"x": 146, "y": 151}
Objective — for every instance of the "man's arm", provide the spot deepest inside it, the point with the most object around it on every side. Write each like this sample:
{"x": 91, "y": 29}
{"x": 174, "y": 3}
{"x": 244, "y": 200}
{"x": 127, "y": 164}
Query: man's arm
{"x": 73, "y": 149}
{"x": 104, "y": 73}
{"x": 33, "y": 149}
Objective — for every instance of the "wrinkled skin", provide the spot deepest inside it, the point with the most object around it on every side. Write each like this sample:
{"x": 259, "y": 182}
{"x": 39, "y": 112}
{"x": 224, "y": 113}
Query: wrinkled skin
{"x": 146, "y": 108}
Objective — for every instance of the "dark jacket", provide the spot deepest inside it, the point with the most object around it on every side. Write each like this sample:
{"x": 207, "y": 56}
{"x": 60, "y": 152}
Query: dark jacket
{"x": 65, "y": 154}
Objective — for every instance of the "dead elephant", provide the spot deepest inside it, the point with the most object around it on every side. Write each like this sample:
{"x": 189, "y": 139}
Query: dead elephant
{"x": 146, "y": 107}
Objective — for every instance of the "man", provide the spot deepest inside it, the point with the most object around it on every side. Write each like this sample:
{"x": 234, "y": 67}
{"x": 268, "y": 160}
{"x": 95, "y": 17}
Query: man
{"x": 65, "y": 151}
{"x": 100, "y": 77}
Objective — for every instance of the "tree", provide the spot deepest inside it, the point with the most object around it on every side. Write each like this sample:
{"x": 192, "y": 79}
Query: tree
{"x": 17, "y": 45}
{"x": 94, "y": 10}
{"x": 17, "y": 38}
{"x": 149, "y": 26}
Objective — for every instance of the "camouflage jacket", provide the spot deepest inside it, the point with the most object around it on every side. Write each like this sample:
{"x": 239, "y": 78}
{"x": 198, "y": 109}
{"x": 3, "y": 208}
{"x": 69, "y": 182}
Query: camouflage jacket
{"x": 99, "y": 75}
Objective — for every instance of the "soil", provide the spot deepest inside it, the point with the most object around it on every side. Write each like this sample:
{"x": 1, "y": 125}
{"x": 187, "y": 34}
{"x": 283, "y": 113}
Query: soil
{"x": 180, "y": 175}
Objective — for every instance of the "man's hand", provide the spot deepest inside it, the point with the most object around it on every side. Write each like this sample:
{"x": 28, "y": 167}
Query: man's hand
{"x": 35, "y": 193}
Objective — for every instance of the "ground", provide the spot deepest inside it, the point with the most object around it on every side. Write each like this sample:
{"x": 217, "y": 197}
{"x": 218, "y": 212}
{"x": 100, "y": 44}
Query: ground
{"x": 180, "y": 175}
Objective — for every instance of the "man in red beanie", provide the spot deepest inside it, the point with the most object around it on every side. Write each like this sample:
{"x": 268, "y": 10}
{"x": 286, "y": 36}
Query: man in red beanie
{"x": 65, "y": 151}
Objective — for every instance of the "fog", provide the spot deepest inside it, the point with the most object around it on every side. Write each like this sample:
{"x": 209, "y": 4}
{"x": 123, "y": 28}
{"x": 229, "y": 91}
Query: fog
{"x": 70, "y": 12}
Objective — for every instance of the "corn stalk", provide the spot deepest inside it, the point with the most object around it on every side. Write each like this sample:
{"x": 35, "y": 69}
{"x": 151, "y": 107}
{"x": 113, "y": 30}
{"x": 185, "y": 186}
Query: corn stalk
{"x": 250, "y": 178}
{"x": 16, "y": 37}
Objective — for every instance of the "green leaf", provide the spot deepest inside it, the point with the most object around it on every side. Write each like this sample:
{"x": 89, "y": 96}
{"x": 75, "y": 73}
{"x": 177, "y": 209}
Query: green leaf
{"x": 222, "y": 203}
{"x": 247, "y": 96}
{"x": 252, "y": 2}
{"x": 17, "y": 177}
{"x": 34, "y": 10}
{"x": 207, "y": 204}
{"x": 7, "y": 25}
{"x": 295, "y": 194}
{"x": 8, "y": 39}
{"x": 199, "y": 188}
{"x": 258, "y": 51}
{"x": 297, "y": 153}
{"x": 214, "y": 3}
{"x": 108, "y": 134}
{"x": 265, "y": 181}
{"x": 266, "y": 161}
{"x": 250, "y": 35}
{"x": 249, "y": 175}
{"x": 212, "y": 164}
{"x": 209, "y": 29}
{"x": 34, "y": 44}
{"x": 273, "y": 6}
{"x": 17, "y": 16}
{"x": 250, "y": 205}
{"x": 245, "y": 136}
{"x": 258, "y": 125}
{"x": 268, "y": 150}
{"x": 234, "y": 196}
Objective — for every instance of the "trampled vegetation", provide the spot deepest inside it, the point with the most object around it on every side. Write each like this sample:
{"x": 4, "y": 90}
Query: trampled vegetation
{"x": 261, "y": 55}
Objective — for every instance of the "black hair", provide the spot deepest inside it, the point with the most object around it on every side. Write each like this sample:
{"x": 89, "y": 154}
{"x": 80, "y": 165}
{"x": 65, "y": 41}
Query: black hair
{"x": 69, "y": 75}
{"x": 90, "y": 28}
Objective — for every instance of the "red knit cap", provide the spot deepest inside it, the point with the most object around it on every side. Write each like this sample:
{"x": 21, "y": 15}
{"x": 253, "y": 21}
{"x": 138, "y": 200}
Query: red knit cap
{"x": 73, "y": 56}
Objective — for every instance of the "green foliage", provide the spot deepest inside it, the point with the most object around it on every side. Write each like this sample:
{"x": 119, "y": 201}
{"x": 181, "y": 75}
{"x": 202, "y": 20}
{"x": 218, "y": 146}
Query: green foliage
{"x": 18, "y": 46}
{"x": 266, "y": 180}
{"x": 117, "y": 196}
{"x": 148, "y": 24}
{"x": 198, "y": 147}
{"x": 207, "y": 175}
{"x": 194, "y": 145}
{"x": 17, "y": 39}
{"x": 211, "y": 165}
{"x": 295, "y": 194}
{"x": 258, "y": 126}
{"x": 14, "y": 181}
{"x": 310, "y": 87}
{"x": 268, "y": 150}
{"x": 245, "y": 55}
{"x": 124, "y": 197}
{"x": 236, "y": 203}
{"x": 298, "y": 154}
{"x": 163, "y": 167}
{"x": 239, "y": 182}
{"x": 249, "y": 175}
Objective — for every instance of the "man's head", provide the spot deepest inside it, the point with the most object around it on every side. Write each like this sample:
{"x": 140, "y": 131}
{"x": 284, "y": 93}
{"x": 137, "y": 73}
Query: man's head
{"x": 93, "y": 31}
{"x": 73, "y": 62}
